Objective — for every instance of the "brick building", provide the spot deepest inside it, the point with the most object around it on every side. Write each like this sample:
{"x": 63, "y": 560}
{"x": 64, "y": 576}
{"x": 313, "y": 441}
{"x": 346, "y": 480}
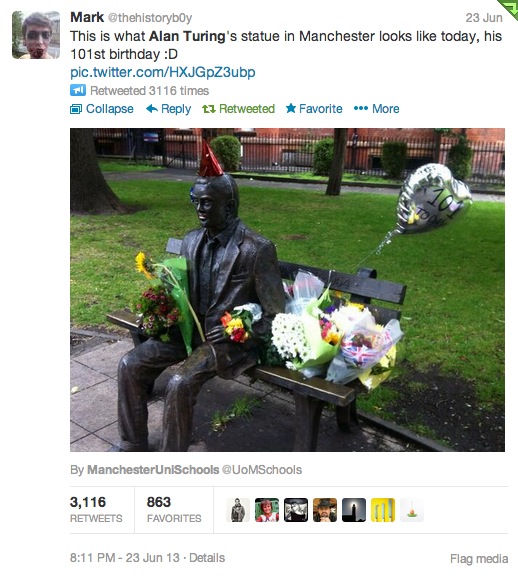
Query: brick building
{"x": 291, "y": 149}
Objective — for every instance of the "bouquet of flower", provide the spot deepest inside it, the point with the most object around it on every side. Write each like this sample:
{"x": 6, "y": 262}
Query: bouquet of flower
{"x": 305, "y": 336}
{"x": 342, "y": 341}
{"x": 367, "y": 349}
{"x": 329, "y": 331}
{"x": 289, "y": 339}
{"x": 157, "y": 312}
{"x": 238, "y": 323}
{"x": 170, "y": 276}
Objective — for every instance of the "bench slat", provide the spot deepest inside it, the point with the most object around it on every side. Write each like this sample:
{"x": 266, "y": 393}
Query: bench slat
{"x": 348, "y": 283}
{"x": 124, "y": 318}
{"x": 173, "y": 246}
{"x": 367, "y": 287}
{"x": 317, "y": 387}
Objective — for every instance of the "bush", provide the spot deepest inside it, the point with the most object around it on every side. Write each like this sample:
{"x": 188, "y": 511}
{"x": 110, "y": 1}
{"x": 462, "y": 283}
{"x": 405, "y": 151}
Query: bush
{"x": 393, "y": 158}
{"x": 323, "y": 157}
{"x": 228, "y": 152}
{"x": 459, "y": 159}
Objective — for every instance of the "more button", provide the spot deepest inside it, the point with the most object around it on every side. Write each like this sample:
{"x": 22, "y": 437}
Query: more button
{"x": 385, "y": 109}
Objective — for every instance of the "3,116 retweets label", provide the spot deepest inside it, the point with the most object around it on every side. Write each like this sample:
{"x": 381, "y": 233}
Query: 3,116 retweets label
{"x": 94, "y": 502}
{"x": 140, "y": 510}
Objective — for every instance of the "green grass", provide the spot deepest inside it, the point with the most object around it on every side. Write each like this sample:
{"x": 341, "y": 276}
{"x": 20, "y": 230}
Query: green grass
{"x": 453, "y": 315}
{"x": 309, "y": 176}
{"x": 241, "y": 408}
{"x": 120, "y": 166}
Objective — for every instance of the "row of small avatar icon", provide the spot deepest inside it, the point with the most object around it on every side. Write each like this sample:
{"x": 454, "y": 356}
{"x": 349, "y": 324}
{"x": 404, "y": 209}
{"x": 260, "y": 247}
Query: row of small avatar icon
{"x": 324, "y": 510}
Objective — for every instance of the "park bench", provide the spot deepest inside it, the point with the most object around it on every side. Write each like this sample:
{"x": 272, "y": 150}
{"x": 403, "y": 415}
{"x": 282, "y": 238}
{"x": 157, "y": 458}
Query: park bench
{"x": 310, "y": 394}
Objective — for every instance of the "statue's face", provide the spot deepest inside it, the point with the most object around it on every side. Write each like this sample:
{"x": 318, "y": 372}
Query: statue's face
{"x": 211, "y": 207}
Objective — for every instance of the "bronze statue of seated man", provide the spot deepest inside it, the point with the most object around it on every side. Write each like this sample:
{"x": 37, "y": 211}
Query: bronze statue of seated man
{"x": 229, "y": 265}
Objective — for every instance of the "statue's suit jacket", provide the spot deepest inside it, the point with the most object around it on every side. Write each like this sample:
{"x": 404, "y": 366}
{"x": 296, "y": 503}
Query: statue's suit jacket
{"x": 247, "y": 273}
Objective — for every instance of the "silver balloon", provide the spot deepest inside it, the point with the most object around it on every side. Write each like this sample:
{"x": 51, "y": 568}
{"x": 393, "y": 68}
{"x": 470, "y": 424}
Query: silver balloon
{"x": 431, "y": 198}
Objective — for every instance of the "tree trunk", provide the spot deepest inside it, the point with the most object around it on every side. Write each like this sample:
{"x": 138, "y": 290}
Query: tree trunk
{"x": 89, "y": 191}
{"x": 437, "y": 146}
{"x": 337, "y": 164}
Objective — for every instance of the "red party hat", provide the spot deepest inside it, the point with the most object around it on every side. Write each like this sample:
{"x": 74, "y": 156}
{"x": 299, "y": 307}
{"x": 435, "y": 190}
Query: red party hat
{"x": 209, "y": 165}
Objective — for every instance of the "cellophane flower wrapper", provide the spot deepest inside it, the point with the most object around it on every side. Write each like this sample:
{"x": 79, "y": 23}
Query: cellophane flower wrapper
{"x": 365, "y": 345}
{"x": 339, "y": 372}
{"x": 254, "y": 309}
{"x": 178, "y": 267}
{"x": 320, "y": 352}
{"x": 349, "y": 315}
{"x": 376, "y": 375}
{"x": 305, "y": 288}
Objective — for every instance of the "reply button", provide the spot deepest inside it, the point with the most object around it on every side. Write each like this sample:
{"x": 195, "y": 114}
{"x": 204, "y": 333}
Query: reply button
{"x": 176, "y": 109}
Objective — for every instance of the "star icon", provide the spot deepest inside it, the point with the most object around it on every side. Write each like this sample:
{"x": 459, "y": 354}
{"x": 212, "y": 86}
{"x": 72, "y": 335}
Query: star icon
{"x": 290, "y": 107}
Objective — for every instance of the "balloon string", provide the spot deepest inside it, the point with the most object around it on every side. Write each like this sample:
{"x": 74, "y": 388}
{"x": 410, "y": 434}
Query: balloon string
{"x": 365, "y": 258}
{"x": 386, "y": 241}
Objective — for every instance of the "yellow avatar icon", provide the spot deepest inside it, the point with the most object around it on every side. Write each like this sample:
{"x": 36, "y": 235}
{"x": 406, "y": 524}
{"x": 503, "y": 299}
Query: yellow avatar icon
{"x": 383, "y": 510}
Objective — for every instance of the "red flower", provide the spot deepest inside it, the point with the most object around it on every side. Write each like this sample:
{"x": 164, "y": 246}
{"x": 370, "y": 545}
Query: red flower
{"x": 239, "y": 335}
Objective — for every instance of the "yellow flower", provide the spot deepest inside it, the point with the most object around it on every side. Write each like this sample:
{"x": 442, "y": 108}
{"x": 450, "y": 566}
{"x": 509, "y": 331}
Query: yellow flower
{"x": 142, "y": 265}
{"x": 234, "y": 324}
{"x": 332, "y": 337}
{"x": 359, "y": 306}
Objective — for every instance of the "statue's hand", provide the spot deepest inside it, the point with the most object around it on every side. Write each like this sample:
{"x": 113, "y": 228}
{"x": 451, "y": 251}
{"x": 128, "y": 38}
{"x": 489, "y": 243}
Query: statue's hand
{"x": 216, "y": 335}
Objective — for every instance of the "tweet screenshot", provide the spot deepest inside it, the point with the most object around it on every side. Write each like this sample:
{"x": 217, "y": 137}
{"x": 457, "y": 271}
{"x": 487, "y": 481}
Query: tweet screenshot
{"x": 259, "y": 285}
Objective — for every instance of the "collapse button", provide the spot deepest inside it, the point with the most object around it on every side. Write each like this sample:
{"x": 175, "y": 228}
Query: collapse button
{"x": 109, "y": 109}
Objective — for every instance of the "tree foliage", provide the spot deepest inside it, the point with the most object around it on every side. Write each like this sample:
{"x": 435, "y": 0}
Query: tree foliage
{"x": 323, "y": 157}
{"x": 228, "y": 152}
{"x": 460, "y": 158}
{"x": 393, "y": 158}
{"x": 16, "y": 33}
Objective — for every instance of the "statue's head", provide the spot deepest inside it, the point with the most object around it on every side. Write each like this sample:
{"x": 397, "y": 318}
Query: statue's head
{"x": 216, "y": 200}
{"x": 214, "y": 193}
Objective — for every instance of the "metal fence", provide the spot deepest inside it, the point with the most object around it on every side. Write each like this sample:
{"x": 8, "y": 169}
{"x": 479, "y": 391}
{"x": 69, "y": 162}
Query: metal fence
{"x": 292, "y": 153}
